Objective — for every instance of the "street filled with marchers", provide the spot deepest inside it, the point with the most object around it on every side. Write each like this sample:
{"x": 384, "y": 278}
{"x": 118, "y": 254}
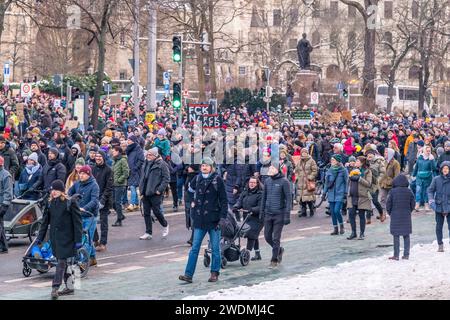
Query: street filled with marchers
{"x": 69, "y": 186}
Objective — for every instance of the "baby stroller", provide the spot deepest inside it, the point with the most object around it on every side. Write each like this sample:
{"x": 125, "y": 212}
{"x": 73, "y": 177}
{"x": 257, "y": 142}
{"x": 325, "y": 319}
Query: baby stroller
{"x": 230, "y": 251}
{"x": 42, "y": 260}
{"x": 24, "y": 217}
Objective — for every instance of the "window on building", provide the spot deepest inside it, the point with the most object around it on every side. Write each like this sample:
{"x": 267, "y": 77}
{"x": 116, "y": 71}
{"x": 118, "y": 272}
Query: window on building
{"x": 334, "y": 36}
{"x": 294, "y": 16}
{"x": 415, "y": 9}
{"x": 388, "y": 9}
{"x": 292, "y": 43}
{"x": 351, "y": 39}
{"x": 242, "y": 70}
{"x": 316, "y": 7}
{"x": 388, "y": 38}
{"x": 122, "y": 38}
{"x": 123, "y": 75}
{"x": 413, "y": 73}
{"x": 351, "y": 12}
{"x": 334, "y": 7}
{"x": 315, "y": 41}
{"x": 276, "y": 17}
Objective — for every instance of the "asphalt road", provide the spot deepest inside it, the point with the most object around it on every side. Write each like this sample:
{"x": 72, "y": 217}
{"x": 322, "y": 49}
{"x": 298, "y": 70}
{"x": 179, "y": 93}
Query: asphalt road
{"x": 159, "y": 261}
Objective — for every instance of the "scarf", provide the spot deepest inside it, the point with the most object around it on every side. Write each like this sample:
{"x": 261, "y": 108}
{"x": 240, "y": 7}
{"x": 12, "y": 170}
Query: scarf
{"x": 33, "y": 169}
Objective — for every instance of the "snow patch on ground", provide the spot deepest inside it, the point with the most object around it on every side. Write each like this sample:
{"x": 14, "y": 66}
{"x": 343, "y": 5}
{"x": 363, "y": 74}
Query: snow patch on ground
{"x": 425, "y": 276}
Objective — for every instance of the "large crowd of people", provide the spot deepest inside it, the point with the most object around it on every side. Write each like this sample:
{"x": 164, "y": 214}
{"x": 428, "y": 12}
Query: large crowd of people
{"x": 372, "y": 165}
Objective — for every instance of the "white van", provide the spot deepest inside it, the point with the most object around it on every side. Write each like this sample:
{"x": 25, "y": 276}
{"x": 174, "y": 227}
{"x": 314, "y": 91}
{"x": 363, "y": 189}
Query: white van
{"x": 406, "y": 98}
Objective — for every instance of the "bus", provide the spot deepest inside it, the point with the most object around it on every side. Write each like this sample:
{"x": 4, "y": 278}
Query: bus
{"x": 405, "y": 99}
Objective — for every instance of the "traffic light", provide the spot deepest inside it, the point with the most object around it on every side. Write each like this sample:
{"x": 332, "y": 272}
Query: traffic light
{"x": 176, "y": 56}
{"x": 176, "y": 102}
{"x": 262, "y": 92}
{"x": 345, "y": 93}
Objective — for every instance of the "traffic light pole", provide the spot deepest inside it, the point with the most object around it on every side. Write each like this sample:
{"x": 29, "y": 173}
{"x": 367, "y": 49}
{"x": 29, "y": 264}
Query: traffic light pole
{"x": 136, "y": 61}
{"x": 349, "y": 95}
{"x": 151, "y": 61}
{"x": 180, "y": 79}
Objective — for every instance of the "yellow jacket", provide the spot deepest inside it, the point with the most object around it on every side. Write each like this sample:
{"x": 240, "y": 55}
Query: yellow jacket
{"x": 408, "y": 141}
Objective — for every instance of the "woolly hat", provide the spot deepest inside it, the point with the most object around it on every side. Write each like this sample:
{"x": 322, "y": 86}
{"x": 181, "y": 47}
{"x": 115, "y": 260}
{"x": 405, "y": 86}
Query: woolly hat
{"x": 133, "y": 139}
{"x": 154, "y": 152}
{"x": 86, "y": 169}
{"x": 352, "y": 159}
{"x": 58, "y": 185}
{"x": 33, "y": 157}
{"x": 421, "y": 143}
{"x": 54, "y": 151}
{"x": 209, "y": 161}
{"x": 162, "y": 132}
{"x": 337, "y": 157}
{"x": 80, "y": 161}
{"x": 447, "y": 144}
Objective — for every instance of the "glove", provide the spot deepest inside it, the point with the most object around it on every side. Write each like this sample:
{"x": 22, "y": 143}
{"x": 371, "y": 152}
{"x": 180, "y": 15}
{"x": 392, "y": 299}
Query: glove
{"x": 235, "y": 210}
{"x": 78, "y": 245}
{"x": 287, "y": 220}
{"x": 38, "y": 242}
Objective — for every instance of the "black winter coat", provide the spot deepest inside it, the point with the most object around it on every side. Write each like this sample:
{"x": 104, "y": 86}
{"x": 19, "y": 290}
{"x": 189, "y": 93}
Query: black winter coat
{"x": 11, "y": 161}
{"x": 65, "y": 227}
{"x": 155, "y": 177}
{"x": 277, "y": 197}
{"x": 210, "y": 202}
{"x": 53, "y": 170}
{"x": 136, "y": 161}
{"x": 399, "y": 205}
{"x": 250, "y": 200}
{"x": 104, "y": 176}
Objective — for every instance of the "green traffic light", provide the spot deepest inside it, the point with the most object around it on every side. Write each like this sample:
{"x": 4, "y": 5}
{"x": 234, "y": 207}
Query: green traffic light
{"x": 176, "y": 104}
{"x": 176, "y": 57}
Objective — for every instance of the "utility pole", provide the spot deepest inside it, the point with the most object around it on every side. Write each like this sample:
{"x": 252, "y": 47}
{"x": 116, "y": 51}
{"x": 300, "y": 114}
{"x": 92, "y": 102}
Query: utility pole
{"x": 136, "y": 98}
{"x": 151, "y": 57}
{"x": 180, "y": 79}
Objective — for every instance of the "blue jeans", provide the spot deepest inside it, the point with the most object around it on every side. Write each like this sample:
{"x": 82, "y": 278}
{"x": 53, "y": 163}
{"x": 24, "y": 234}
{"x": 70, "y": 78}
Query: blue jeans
{"x": 125, "y": 196}
{"x": 134, "y": 197}
{"x": 180, "y": 186}
{"x": 421, "y": 191}
{"x": 336, "y": 216}
{"x": 214, "y": 238}
{"x": 440, "y": 225}
{"x": 92, "y": 226}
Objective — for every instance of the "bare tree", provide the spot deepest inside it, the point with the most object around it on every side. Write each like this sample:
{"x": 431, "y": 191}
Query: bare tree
{"x": 369, "y": 72}
{"x": 398, "y": 46}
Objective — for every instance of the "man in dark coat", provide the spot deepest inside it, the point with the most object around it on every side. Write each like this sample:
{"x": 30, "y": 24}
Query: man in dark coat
{"x": 438, "y": 195}
{"x": 53, "y": 170}
{"x": 208, "y": 209}
{"x": 445, "y": 156}
{"x": 135, "y": 162}
{"x": 399, "y": 205}
{"x": 42, "y": 159}
{"x": 276, "y": 205}
{"x": 11, "y": 162}
{"x": 104, "y": 176}
{"x": 155, "y": 179}
{"x": 191, "y": 171}
{"x": 64, "y": 218}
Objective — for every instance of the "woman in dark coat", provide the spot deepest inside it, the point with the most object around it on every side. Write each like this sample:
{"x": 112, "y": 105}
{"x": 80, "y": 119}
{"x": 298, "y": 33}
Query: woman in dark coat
{"x": 64, "y": 218}
{"x": 399, "y": 205}
{"x": 236, "y": 177}
{"x": 191, "y": 171}
{"x": 250, "y": 202}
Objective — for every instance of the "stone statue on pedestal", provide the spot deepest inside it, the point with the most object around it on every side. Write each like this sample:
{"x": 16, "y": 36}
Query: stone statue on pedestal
{"x": 304, "y": 49}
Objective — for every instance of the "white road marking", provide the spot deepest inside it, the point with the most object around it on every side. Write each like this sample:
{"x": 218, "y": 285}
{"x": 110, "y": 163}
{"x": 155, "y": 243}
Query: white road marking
{"x": 179, "y": 246}
{"x": 20, "y": 279}
{"x": 105, "y": 264}
{"x": 125, "y": 269}
{"x": 42, "y": 284}
{"x": 159, "y": 255}
{"x": 311, "y": 228}
{"x": 292, "y": 239}
{"x": 122, "y": 255}
{"x": 178, "y": 259}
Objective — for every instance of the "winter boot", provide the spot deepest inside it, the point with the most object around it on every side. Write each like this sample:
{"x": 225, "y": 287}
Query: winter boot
{"x": 257, "y": 256}
{"x": 335, "y": 232}
{"x": 185, "y": 278}
{"x": 361, "y": 236}
{"x": 54, "y": 294}
{"x": 352, "y": 236}
{"x": 280, "y": 255}
{"x": 214, "y": 277}
{"x": 341, "y": 229}
{"x": 441, "y": 248}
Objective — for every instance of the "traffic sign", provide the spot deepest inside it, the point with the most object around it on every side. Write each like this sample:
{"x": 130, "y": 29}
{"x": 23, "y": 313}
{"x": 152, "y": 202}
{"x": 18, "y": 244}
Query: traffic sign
{"x": 314, "y": 98}
{"x": 166, "y": 78}
{"x": 25, "y": 90}
{"x": 185, "y": 93}
{"x": 341, "y": 86}
{"x": 6, "y": 74}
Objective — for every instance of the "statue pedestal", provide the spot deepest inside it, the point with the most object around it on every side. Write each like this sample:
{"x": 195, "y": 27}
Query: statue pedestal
{"x": 306, "y": 81}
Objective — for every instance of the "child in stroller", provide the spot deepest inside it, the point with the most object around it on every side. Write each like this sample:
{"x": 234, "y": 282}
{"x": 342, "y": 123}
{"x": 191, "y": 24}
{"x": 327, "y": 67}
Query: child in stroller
{"x": 230, "y": 251}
